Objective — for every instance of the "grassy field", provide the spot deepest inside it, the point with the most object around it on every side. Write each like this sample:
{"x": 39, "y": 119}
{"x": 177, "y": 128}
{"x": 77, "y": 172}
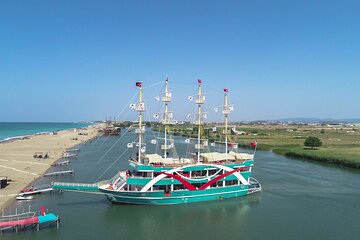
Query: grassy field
{"x": 340, "y": 144}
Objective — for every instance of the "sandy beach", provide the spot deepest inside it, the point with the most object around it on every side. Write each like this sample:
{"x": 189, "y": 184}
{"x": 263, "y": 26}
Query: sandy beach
{"x": 18, "y": 164}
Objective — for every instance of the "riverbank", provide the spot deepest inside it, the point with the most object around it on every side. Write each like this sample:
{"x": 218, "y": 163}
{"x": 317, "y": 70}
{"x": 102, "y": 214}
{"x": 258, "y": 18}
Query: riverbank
{"x": 340, "y": 144}
{"x": 333, "y": 156}
{"x": 18, "y": 164}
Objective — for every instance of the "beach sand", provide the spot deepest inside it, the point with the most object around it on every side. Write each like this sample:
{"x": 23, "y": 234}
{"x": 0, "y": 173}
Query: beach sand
{"x": 18, "y": 164}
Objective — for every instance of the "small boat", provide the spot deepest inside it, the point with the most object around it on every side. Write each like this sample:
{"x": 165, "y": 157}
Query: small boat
{"x": 22, "y": 197}
{"x": 36, "y": 190}
{"x": 28, "y": 190}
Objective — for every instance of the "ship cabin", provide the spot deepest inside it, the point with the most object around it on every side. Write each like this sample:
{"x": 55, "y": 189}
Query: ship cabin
{"x": 215, "y": 170}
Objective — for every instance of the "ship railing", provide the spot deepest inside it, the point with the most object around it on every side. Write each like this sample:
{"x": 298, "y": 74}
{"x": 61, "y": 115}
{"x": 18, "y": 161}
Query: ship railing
{"x": 88, "y": 186}
{"x": 254, "y": 185}
{"x": 17, "y": 216}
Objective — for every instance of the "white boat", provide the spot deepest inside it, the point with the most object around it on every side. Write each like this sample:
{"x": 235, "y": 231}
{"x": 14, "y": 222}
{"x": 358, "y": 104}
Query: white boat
{"x": 22, "y": 197}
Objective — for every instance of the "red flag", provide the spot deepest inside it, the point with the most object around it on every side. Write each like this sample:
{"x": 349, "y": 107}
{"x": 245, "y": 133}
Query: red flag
{"x": 226, "y": 90}
{"x": 138, "y": 84}
{"x": 253, "y": 144}
{"x": 199, "y": 81}
{"x": 42, "y": 210}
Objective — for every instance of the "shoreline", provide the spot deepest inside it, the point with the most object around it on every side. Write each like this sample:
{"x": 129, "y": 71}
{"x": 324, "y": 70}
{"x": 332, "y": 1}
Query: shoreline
{"x": 285, "y": 151}
{"x": 17, "y": 162}
{"x": 22, "y": 137}
{"x": 313, "y": 158}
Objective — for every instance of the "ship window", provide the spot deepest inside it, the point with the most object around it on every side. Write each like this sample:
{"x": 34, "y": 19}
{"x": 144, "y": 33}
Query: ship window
{"x": 229, "y": 183}
{"x": 146, "y": 174}
{"x": 196, "y": 174}
{"x": 135, "y": 187}
{"x": 179, "y": 187}
{"x": 165, "y": 187}
{"x": 212, "y": 172}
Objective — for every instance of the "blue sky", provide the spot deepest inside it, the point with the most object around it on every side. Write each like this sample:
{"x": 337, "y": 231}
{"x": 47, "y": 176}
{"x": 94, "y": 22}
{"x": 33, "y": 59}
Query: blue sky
{"x": 79, "y": 60}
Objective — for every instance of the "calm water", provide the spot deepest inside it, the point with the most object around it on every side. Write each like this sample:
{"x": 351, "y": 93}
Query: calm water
{"x": 14, "y": 129}
{"x": 300, "y": 200}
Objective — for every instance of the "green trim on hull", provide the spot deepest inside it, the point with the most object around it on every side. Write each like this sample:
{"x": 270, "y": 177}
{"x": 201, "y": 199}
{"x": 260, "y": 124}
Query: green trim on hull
{"x": 177, "y": 197}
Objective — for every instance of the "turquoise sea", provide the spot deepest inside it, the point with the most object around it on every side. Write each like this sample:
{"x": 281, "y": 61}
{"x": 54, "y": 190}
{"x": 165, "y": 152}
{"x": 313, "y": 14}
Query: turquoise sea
{"x": 16, "y": 129}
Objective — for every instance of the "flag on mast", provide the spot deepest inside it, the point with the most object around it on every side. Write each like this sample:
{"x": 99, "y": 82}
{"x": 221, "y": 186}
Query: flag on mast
{"x": 138, "y": 84}
{"x": 253, "y": 144}
{"x": 226, "y": 90}
{"x": 199, "y": 81}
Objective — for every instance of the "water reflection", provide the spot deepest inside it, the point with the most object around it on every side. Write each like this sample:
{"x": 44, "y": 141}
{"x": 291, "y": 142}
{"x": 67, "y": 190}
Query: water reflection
{"x": 156, "y": 222}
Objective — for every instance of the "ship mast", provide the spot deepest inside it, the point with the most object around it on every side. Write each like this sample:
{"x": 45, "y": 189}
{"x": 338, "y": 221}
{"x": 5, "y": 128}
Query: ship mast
{"x": 226, "y": 112}
{"x": 140, "y": 108}
{"x": 166, "y": 99}
{"x": 200, "y": 98}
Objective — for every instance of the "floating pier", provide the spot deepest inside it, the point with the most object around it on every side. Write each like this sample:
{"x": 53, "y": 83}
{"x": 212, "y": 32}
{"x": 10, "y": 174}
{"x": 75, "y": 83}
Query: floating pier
{"x": 69, "y": 155}
{"x": 63, "y": 163}
{"x": 73, "y": 150}
{"x": 59, "y": 173}
{"x": 27, "y": 220}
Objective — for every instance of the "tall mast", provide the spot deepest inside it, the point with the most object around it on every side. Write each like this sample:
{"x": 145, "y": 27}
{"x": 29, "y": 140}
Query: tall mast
{"x": 166, "y": 117}
{"x": 226, "y": 110}
{"x": 140, "y": 108}
{"x": 199, "y": 101}
{"x": 226, "y": 113}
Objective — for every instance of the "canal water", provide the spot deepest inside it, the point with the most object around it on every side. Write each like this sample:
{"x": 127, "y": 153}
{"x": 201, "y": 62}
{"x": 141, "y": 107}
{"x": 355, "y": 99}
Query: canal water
{"x": 300, "y": 200}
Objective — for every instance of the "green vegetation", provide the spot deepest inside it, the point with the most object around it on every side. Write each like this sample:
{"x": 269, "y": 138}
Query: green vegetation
{"x": 312, "y": 142}
{"x": 340, "y": 144}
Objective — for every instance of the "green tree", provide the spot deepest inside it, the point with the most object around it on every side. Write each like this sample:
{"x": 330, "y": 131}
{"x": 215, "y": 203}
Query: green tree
{"x": 312, "y": 142}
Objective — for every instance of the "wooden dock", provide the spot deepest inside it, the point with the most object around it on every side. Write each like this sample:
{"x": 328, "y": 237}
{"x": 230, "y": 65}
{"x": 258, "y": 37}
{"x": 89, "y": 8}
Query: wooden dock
{"x": 73, "y": 150}
{"x": 63, "y": 163}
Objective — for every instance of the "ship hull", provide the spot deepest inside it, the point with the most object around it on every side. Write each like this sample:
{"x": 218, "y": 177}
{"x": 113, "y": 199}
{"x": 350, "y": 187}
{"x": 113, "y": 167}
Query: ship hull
{"x": 176, "y": 197}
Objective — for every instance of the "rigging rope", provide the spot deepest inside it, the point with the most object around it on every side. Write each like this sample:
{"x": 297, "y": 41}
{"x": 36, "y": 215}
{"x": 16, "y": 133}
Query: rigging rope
{"x": 111, "y": 165}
